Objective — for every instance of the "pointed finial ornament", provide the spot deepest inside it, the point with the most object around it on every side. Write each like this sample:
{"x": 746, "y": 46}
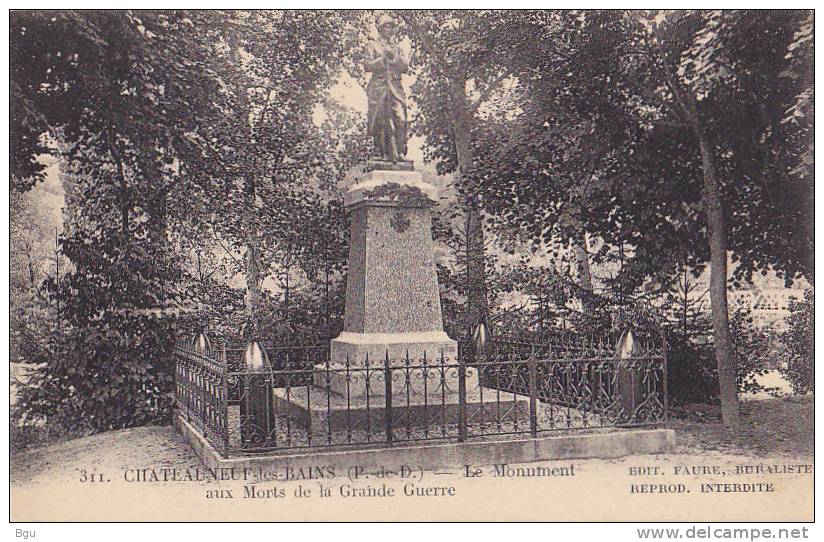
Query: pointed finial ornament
{"x": 481, "y": 337}
{"x": 201, "y": 343}
{"x": 255, "y": 357}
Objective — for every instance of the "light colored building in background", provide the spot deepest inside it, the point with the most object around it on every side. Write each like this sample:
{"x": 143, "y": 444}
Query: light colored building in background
{"x": 769, "y": 305}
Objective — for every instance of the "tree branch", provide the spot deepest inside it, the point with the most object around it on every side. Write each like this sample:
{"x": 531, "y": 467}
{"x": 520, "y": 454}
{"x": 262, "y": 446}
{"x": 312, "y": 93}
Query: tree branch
{"x": 489, "y": 89}
{"x": 219, "y": 242}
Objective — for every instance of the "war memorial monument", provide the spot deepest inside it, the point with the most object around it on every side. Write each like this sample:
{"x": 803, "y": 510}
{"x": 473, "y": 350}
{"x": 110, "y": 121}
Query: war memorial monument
{"x": 393, "y": 376}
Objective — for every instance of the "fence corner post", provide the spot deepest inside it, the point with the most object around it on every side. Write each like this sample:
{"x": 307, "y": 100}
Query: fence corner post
{"x": 224, "y": 399}
{"x": 629, "y": 368}
{"x": 533, "y": 393}
{"x": 665, "y": 371}
{"x": 387, "y": 369}
{"x": 461, "y": 398}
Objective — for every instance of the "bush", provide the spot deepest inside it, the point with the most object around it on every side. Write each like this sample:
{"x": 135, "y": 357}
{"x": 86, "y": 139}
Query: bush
{"x": 799, "y": 341}
{"x": 755, "y": 351}
{"x": 26, "y": 432}
{"x": 692, "y": 374}
{"x": 693, "y": 370}
{"x": 108, "y": 379}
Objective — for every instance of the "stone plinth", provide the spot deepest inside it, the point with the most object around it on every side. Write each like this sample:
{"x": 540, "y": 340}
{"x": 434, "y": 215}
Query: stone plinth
{"x": 420, "y": 376}
{"x": 383, "y": 165}
{"x": 357, "y": 348}
{"x": 313, "y": 407}
{"x": 437, "y": 455}
{"x": 392, "y": 300}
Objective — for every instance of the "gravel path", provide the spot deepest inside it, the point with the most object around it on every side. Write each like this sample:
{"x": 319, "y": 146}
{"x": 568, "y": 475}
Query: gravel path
{"x": 115, "y": 451}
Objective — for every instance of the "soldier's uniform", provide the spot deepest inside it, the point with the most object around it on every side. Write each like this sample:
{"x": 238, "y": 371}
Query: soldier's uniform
{"x": 387, "y": 99}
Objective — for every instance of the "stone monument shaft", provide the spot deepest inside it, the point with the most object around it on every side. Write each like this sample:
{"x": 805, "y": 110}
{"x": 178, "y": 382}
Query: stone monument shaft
{"x": 392, "y": 299}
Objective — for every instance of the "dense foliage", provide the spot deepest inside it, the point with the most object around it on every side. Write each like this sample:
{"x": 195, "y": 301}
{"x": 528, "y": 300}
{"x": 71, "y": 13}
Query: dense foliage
{"x": 164, "y": 121}
{"x": 799, "y": 339}
{"x": 664, "y": 132}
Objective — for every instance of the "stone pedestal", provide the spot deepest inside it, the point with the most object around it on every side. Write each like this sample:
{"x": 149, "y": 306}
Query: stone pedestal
{"x": 393, "y": 305}
{"x": 392, "y": 287}
{"x": 311, "y": 407}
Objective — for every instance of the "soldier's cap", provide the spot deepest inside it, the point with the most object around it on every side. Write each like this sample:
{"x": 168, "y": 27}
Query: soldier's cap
{"x": 384, "y": 19}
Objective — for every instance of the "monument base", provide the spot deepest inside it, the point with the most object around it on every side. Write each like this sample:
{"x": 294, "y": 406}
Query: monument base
{"x": 416, "y": 379}
{"x": 312, "y": 407}
{"x": 604, "y": 443}
{"x": 358, "y": 349}
{"x": 385, "y": 165}
{"x": 424, "y": 361}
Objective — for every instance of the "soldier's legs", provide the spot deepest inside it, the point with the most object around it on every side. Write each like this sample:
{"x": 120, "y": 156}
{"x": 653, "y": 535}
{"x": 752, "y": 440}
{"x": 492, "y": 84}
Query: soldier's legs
{"x": 391, "y": 148}
{"x": 400, "y": 138}
{"x": 383, "y": 137}
{"x": 377, "y": 142}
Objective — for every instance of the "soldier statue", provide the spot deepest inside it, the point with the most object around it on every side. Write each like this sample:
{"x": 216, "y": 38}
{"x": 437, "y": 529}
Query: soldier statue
{"x": 387, "y": 99}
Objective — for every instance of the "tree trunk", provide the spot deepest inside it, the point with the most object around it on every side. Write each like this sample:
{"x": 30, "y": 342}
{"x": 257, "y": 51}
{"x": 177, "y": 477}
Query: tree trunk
{"x": 718, "y": 248}
{"x": 584, "y": 274}
{"x": 170, "y": 274}
{"x": 252, "y": 284}
{"x": 57, "y": 276}
{"x": 125, "y": 204}
{"x": 326, "y": 308}
{"x": 718, "y": 288}
{"x": 31, "y": 270}
{"x": 686, "y": 301}
{"x": 477, "y": 306}
{"x": 252, "y": 265}
{"x": 287, "y": 298}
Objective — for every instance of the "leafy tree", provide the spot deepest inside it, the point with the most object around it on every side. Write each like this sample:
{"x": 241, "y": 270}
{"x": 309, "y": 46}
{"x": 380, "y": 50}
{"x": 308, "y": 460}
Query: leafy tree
{"x": 35, "y": 318}
{"x": 569, "y": 129}
{"x": 191, "y": 153}
{"x": 113, "y": 88}
{"x": 799, "y": 340}
{"x": 451, "y": 53}
{"x": 184, "y": 115}
{"x": 674, "y": 118}
{"x": 721, "y": 70}
{"x": 259, "y": 146}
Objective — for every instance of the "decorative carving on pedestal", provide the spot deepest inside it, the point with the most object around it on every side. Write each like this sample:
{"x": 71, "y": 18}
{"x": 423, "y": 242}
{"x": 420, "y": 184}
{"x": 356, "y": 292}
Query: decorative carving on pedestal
{"x": 399, "y": 221}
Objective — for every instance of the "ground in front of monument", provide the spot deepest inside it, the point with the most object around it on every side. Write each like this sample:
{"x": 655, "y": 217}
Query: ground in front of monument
{"x": 45, "y": 481}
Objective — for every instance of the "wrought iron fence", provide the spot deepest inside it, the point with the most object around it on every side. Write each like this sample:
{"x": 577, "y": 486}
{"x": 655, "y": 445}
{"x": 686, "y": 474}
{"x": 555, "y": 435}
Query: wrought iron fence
{"x": 305, "y": 400}
{"x": 201, "y": 393}
{"x": 297, "y": 360}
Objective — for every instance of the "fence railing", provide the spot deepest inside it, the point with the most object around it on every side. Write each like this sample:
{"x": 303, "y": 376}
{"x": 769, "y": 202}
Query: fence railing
{"x": 201, "y": 393}
{"x": 305, "y": 400}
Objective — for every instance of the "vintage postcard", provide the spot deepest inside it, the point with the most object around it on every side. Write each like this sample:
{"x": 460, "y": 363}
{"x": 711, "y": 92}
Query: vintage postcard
{"x": 412, "y": 265}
